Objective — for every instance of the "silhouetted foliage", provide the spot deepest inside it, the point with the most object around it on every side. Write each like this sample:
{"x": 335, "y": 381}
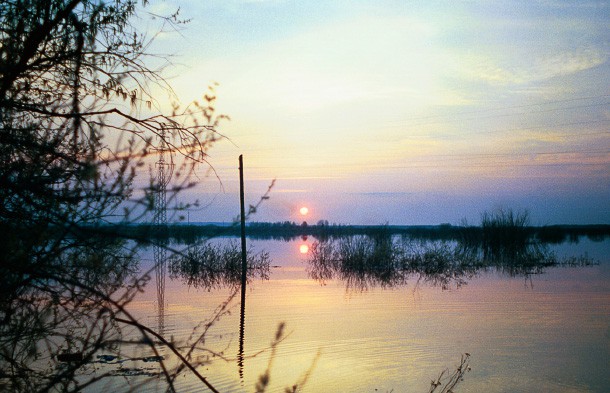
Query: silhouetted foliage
{"x": 77, "y": 122}
{"x": 363, "y": 262}
{"x": 505, "y": 233}
{"x": 448, "y": 383}
{"x": 212, "y": 266}
{"x": 287, "y": 231}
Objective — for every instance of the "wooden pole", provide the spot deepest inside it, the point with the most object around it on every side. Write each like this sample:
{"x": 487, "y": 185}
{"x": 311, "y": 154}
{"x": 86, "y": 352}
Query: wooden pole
{"x": 244, "y": 260}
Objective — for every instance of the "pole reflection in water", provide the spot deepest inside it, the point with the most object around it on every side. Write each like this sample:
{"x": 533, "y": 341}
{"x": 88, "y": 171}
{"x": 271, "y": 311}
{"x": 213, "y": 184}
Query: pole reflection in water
{"x": 242, "y": 326}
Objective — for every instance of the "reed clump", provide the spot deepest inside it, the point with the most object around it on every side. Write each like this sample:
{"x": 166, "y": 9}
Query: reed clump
{"x": 503, "y": 242}
{"x": 215, "y": 266}
{"x": 505, "y": 233}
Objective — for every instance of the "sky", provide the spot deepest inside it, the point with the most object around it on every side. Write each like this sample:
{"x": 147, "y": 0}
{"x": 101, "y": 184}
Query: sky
{"x": 401, "y": 112}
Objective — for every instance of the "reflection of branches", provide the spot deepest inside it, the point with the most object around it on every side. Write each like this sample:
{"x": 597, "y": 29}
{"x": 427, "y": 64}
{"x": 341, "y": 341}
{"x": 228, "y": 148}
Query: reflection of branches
{"x": 363, "y": 262}
{"x": 54, "y": 328}
{"x": 438, "y": 263}
{"x": 214, "y": 266}
{"x": 185, "y": 362}
{"x": 58, "y": 311}
{"x": 115, "y": 311}
{"x": 360, "y": 261}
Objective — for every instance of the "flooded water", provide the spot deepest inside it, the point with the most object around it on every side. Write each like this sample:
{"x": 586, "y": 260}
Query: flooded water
{"x": 538, "y": 332}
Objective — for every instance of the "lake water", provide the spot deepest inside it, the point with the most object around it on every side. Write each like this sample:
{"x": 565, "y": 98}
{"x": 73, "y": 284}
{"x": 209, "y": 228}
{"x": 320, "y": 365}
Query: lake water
{"x": 540, "y": 332}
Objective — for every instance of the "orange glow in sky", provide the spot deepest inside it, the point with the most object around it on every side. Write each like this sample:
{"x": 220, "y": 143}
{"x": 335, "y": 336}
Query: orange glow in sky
{"x": 304, "y": 210}
{"x": 303, "y": 248}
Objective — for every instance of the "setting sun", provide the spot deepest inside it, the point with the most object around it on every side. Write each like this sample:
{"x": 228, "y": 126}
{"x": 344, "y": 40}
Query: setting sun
{"x": 303, "y": 248}
{"x": 304, "y": 210}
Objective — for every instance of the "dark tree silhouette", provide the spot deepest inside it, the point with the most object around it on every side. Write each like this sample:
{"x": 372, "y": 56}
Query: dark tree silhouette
{"x": 78, "y": 121}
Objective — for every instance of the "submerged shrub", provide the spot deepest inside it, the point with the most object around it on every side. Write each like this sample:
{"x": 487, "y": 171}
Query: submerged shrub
{"x": 214, "y": 266}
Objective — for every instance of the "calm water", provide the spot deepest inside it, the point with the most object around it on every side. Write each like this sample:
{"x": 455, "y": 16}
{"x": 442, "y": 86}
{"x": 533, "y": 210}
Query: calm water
{"x": 543, "y": 332}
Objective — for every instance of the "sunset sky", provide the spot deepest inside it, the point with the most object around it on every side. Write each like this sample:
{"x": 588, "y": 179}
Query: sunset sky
{"x": 402, "y": 112}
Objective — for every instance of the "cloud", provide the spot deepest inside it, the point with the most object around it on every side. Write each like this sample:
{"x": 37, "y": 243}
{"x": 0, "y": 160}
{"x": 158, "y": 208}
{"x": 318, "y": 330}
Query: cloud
{"x": 506, "y": 71}
{"x": 570, "y": 62}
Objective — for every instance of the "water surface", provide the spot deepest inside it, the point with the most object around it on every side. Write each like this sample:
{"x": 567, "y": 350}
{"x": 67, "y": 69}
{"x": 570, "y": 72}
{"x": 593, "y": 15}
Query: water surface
{"x": 537, "y": 332}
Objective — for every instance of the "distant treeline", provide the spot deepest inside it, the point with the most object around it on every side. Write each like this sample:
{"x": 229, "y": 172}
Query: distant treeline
{"x": 289, "y": 230}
